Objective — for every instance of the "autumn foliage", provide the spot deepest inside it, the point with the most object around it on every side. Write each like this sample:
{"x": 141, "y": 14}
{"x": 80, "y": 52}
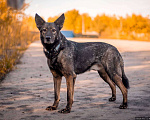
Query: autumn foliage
{"x": 15, "y": 35}
{"x": 134, "y": 27}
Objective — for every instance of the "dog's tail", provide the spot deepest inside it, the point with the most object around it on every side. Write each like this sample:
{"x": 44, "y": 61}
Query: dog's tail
{"x": 125, "y": 80}
{"x": 124, "y": 77}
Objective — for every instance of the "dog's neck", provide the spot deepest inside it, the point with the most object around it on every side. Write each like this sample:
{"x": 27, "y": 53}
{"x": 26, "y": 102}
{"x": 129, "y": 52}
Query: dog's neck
{"x": 54, "y": 48}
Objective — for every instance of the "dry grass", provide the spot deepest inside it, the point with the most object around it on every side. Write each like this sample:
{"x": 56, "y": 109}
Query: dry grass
{"x": 15, "y": 36}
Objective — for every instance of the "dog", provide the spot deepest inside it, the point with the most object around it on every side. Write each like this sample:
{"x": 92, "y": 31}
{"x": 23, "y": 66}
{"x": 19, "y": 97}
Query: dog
{"x": 67, "y": 58}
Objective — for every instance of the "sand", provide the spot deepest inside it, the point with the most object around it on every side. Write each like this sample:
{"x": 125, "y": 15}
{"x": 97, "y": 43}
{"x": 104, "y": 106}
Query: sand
{"x": 28, "y": 89}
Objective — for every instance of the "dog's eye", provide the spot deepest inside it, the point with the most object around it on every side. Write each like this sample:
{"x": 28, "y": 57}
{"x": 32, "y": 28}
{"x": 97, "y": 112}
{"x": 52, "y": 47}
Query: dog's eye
{"x": 44, "y": 29}
{"x": 53, "y": 30}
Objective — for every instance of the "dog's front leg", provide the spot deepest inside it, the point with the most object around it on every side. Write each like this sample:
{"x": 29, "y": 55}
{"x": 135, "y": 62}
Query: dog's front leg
{"x": 57, "y": 83}
{"x": 70, "y": 81}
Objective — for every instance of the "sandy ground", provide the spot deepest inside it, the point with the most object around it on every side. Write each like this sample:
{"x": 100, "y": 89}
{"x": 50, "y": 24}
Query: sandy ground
{"x": 28, "y": 89}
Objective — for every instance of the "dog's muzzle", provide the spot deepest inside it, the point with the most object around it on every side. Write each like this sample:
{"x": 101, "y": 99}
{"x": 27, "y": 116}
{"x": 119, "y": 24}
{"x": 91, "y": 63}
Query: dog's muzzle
{"x": 48, "y": 38}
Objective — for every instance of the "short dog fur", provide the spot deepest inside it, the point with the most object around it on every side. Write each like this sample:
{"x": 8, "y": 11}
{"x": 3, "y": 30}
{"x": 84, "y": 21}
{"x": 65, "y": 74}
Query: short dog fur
{"x": 67, "y": 58}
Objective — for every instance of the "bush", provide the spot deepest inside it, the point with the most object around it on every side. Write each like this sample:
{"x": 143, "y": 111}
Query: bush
{"x": 15, "y": 36}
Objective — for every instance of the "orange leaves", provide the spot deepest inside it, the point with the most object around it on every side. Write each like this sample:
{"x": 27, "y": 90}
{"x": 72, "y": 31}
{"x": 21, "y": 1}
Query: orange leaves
{"x": 15, "y": 35}
{"x": 130, "y": 27}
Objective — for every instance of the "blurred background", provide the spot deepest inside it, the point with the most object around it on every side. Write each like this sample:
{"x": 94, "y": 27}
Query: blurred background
{"x": 113, "y": 19}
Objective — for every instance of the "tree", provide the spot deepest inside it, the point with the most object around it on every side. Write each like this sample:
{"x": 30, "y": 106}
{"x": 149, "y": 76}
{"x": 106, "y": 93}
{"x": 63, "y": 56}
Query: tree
{"x": 73, "y": 21}
{"x": 86, "y": 22}
{"x": 100, "y": 23}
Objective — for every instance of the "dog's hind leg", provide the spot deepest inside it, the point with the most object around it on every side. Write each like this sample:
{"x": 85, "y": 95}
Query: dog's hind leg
{"x": 115, "y": 74}
{"x": 57, "y": 84}
{"x": 106, "y": 78}
{"x": 113, "y": 64}
{"x": 119, "y": 83}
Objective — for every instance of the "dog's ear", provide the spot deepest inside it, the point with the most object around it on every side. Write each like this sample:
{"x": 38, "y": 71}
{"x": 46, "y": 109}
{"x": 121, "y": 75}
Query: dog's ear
{"x": 60, "y": 21}
{"x": 39, "y": 21}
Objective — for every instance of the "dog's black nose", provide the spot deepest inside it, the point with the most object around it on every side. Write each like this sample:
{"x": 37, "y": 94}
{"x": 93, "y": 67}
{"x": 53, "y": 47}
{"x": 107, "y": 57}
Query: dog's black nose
{"x": 48, "y": 38}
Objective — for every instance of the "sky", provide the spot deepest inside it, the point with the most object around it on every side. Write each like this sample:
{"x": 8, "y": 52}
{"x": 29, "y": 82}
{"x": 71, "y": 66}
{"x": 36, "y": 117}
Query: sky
{"x": 47, "y": 8}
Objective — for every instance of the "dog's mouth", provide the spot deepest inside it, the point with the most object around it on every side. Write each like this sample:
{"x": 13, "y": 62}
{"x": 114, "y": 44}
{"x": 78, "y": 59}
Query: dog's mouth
{"x": 48, "y": 41}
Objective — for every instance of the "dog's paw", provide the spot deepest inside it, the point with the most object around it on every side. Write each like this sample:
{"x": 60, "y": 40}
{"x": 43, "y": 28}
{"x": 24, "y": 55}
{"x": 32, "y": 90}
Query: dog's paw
{"x": 123, "y": 106}
{"x": 112, "y": 99}
{"x": 66, "y": 110}
{"x": 50, "y": 108}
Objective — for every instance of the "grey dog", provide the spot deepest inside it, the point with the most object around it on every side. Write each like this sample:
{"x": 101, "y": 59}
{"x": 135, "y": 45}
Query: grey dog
{"x": 67, "y": 58}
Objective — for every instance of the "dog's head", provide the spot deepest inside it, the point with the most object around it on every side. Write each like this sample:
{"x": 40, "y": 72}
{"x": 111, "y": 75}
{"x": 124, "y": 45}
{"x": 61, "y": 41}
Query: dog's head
{"x": 49, "y": 32}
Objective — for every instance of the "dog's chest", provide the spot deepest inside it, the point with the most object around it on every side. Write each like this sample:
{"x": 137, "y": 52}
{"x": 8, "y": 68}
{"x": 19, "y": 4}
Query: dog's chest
{"x": 55, "y": 62}
{"x": 54, "y": 65}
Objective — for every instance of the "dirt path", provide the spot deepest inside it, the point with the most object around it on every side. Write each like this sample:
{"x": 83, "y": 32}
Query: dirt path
{"x": 28, "y": 89}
